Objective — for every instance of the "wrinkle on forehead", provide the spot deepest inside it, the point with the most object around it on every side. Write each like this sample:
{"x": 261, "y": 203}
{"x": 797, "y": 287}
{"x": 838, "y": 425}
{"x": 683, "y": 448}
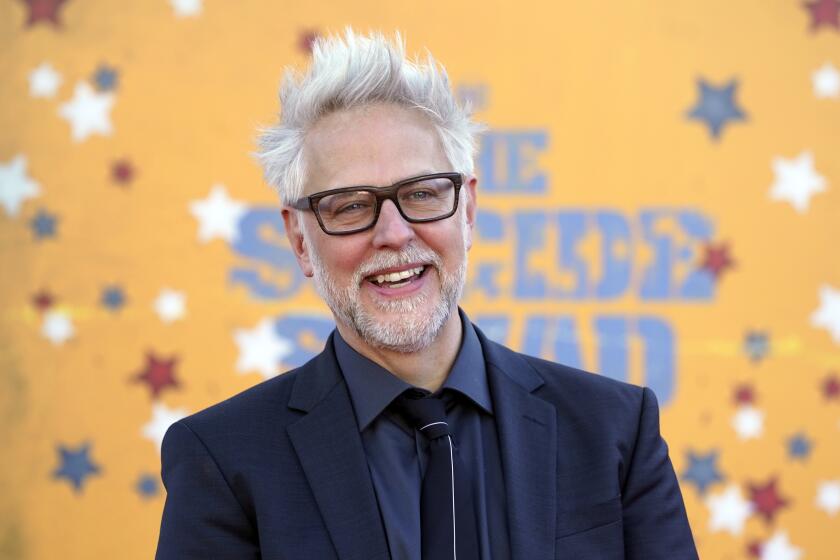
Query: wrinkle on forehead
{"x": 371, "y": 145}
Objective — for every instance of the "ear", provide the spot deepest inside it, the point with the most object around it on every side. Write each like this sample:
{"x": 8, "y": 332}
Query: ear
{"x": 294, "y": 231}
{"x": 472, "y": 207}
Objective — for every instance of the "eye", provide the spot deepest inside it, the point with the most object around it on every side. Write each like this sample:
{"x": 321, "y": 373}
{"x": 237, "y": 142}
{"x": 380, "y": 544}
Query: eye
{"x": 352, "y": 207}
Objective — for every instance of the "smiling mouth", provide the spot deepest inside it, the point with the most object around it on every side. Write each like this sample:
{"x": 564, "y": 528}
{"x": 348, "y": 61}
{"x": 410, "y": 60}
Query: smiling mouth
{"x": 397, "y": 279}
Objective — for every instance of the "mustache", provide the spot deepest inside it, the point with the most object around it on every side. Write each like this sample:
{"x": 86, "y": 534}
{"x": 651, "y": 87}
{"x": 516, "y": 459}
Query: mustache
{"x": 387, "y": 259}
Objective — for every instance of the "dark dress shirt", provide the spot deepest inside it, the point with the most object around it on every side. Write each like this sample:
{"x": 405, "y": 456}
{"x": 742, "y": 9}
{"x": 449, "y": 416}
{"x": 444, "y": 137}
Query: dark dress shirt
{"x": 397, "y": 454}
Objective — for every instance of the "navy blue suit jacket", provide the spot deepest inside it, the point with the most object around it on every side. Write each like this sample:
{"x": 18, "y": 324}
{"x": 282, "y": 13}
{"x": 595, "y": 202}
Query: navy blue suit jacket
{"x": 279, "y": 471}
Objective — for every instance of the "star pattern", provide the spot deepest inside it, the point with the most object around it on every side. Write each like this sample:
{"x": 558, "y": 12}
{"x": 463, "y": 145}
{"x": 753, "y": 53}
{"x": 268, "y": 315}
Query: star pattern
{"x": 44, "y": 81}
{"x": 158, "y": 374}
{"x": 756, "y": 345}
{"x": 162, "y": 418}
{"x": 778, "y": 547}
{"x": 828, "y": 497}
{"x": 306, "y": 40}
{"x": 57, "y": 327}
{"x": 43, "y": 225}
{"x": 766, "y": 499}
{"x": 728, "y": 511}
{"x": 186, "y": 8}
{"x": 261, "y": 349}
{"x": 42, "y": 301}
{"x": 826, "y": 82}
{"x": 147, "y": 486}
{"x": 89, "y": 112}
{"x": 43, "y": 11}
{"x": 113, "y": 298}
{"x": 105, "y": 78}
{"x": 799, "y": 446}
{"x": 827, "y": 316}
{"x": 75, "y": 465}
{"x": 744, "y": 394}
{"x": 716, "y": 106}
{"x": 831, "y": 387}
{"x": 702, "y": 470}
{"x": 824, "y": 13}
{"x": 796, "y": 181}
{"x": 171, "y": 305}
{"x": 716, "y": 259}
{"x": 122, "y": 172}
{"x": 218, "y": 215}
{"x": 16, "y": 186}
{"x": 748, "y": 422}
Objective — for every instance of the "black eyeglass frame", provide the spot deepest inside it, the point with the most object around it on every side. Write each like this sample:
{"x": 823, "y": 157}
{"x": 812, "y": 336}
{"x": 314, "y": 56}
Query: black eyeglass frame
{"x": 381, "y": 194}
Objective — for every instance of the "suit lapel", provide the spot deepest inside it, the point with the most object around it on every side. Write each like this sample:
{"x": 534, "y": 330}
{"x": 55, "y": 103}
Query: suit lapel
{"x": 527, "y": 428}
{"x": 329, "y": 446}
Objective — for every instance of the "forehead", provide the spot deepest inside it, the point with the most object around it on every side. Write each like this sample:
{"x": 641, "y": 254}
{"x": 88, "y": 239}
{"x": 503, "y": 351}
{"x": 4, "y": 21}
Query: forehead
{"x": 374, "y": 145}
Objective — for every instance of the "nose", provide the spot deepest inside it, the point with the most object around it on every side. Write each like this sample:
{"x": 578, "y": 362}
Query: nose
{"x": 391, "y": 229}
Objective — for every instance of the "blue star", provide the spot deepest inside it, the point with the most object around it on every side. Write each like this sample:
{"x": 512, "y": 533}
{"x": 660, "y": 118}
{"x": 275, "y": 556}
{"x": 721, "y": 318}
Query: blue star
{"x": 147, "y": 486}
{"x": 756, "y": 345}
{"x": 716, "y": 106}
{"x": 113, "y": 298}
{"x": 799, "y": 446}
{"x": 105, "y": 78}
{"x": 75, "y": 466}
{"x": 702, "y": 470}
{"x": 43, "y": 224}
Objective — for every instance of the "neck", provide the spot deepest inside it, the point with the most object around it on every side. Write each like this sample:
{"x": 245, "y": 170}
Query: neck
{"x": 426, "y": 368}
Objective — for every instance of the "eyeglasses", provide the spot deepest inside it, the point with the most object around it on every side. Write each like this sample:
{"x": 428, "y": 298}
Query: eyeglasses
{"x": 347, "y": 210}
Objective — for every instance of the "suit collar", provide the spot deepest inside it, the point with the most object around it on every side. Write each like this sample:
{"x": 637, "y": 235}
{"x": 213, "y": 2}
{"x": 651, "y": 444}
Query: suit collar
{"x": 527, "y": 428}
{"x": 329, "y": 447}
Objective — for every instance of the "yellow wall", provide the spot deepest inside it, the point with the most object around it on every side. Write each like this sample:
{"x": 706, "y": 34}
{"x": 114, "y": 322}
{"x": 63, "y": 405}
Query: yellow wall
{"x": 587, "y": 105}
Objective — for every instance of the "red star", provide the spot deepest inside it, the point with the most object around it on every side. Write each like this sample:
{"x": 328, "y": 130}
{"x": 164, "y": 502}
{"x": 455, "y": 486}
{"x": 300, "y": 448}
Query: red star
{"x": 42, "y": 301}
{"x": 766, "y": 499}
{"x": 122, "y": 172}
{"x": 307, "y": 39}
{"x": 43, "y": 10}
{"x": 831, "y": 387}
{"x": 158, "y": 374}
{"x": 824, "y": 12}
{"x": 717, "y": 259}
{"x": 744, "y": 394}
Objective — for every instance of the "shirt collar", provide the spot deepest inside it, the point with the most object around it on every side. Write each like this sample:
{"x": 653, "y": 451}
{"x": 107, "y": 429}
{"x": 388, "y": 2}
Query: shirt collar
{"x": 372, "y": 387}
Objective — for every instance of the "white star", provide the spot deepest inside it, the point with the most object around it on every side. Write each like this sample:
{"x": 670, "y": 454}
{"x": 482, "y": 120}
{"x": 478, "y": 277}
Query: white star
{"x": 15, "y": 186}
{"x": 826, "y": 82}
{"x": 186, "y": 8}
{"x": 44, "y": 81}
{"x": 796, "y": 181}
{"x": 162, "y": 418}
{"x": 171, "y": 305}
{"x": 779, "y": 548}
{"x": 218, "y": 215}
{"x": 89, "y": 112}
{"x": 729, "y": 510}
{"x": 261, "y": 349}
{"x": 828, "y": 314}
{"x": 57, "y": 327}
{"x": 748, "y": 422}
{"x": 828, "y": 497}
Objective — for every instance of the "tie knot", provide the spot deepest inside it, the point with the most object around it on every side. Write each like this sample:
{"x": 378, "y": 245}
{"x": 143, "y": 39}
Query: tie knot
{"x": 426, "y": 414}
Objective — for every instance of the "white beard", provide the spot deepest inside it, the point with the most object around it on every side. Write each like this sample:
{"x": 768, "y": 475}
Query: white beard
{"x": 408, "y": 324}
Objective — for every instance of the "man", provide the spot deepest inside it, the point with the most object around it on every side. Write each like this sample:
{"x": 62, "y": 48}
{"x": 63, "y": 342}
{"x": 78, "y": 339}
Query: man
{"x": 411, "y": 436}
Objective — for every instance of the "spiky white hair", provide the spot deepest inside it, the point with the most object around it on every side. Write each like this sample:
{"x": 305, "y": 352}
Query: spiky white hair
{"x": 353, "y": 71}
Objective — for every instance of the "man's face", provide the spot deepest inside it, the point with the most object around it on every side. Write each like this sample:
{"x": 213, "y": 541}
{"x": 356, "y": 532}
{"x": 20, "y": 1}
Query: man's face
{"x": 380, "y": 145}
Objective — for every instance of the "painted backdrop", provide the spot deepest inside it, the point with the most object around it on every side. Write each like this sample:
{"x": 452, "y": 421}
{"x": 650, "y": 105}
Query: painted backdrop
{"x": 660, "y": 203}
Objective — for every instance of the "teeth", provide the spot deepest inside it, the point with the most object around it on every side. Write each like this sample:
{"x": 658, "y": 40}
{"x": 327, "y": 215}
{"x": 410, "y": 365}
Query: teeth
{"x": 397, "y": 276}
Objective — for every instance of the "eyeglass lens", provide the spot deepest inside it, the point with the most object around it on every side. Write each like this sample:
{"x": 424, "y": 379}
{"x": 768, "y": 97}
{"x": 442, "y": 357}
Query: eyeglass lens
{"x": 420, "y": 200}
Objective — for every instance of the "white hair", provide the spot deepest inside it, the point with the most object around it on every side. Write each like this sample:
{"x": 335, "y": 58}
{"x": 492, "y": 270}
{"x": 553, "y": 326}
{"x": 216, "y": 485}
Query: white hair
{"x": 353, "y": 71}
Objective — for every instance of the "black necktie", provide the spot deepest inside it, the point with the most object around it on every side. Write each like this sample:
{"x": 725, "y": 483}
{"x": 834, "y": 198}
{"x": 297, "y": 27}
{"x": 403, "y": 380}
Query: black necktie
{"x": 447, "y": 518}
